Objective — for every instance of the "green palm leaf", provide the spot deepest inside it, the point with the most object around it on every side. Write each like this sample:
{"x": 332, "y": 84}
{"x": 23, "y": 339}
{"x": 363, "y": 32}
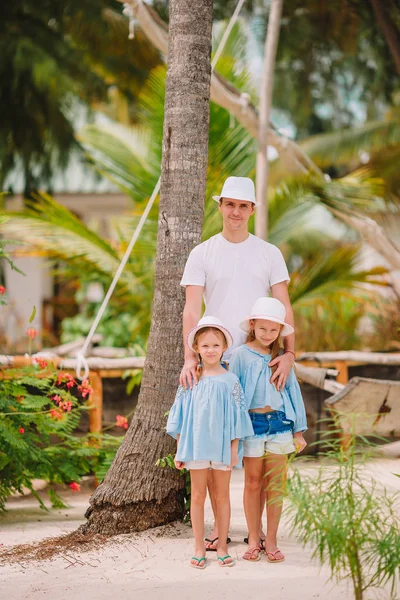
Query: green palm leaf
{"x": 52, "y": 228}
{"x": 344, "y": 147}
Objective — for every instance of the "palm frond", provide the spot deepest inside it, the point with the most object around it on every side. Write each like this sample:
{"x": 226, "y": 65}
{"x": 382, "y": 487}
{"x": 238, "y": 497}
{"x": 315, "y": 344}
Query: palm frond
{"x": 53, "y": 229}
{"x": 124, "y": 156}
{"x": 345, "y": 146}
{"x": 335, "y": 271}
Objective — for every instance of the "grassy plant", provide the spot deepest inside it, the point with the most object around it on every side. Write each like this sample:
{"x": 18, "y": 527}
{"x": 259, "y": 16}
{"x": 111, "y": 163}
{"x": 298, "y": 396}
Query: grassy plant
{"x": 348, "y": 518}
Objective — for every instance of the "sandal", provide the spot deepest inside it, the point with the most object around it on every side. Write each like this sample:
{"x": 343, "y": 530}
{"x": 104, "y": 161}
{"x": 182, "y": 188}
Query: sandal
{"x": 273, "y": 554}
{"x": 198, "y": 566}
{"x": 225, "y": 564}
{"x": 212, "y": 542}
{"x": 262, "y": 542}
{"x": 248, "y": 555}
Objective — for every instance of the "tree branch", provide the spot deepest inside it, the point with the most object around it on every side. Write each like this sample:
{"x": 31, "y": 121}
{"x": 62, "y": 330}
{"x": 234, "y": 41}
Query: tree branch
{"x": 389, "y": 31}
{"x": 226, "y": 95}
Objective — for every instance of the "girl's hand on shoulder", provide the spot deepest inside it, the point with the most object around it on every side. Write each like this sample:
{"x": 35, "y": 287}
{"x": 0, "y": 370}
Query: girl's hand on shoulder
{"x": 299, "y": 442}
{"x": 179, "y": 464}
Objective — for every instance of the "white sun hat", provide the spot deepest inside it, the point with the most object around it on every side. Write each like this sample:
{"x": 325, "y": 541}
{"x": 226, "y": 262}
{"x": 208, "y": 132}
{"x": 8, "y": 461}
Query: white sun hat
{"x": 269, "y": 309}
{"x": 208, "y": 322}
{"x": 238, "y": 188}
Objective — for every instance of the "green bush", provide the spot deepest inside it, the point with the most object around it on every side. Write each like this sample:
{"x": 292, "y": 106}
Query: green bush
{"x": 348, "y": 518}
{"x": 40, "y": 409}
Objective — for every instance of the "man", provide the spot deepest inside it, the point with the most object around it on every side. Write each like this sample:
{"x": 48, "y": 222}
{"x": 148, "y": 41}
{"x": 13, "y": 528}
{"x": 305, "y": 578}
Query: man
{"x": 230, "y": 271}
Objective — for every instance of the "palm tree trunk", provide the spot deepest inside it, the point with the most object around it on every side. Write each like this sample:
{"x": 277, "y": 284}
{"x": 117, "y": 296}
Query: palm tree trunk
{"x": 267, "y": 84}
{"x": 135, "y": 494}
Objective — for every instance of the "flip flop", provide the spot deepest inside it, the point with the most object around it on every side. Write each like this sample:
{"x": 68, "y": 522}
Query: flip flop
{"x": 273, "y": 554}
{"x": 246, "y": 541}
{"x": 198, "y": 566}
{"x": 212, "y": 542}
{"x": 225, "y": 564}
{"x": 250, "y": 554}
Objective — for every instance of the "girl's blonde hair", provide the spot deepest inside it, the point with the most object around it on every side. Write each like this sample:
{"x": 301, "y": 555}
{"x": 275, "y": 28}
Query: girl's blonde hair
{"x": 275, "y": 347}
{"x": 200, "y": 332}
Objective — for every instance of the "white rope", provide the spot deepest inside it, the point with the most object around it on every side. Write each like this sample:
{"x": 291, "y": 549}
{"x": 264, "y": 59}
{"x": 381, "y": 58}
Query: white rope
{"x": 226, "y": 33}
{"x": 81, "y": 362}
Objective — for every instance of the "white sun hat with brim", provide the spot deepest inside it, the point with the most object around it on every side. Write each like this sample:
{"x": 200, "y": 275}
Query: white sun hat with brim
{"x": 208, "y": 322}
{"x": 238, "y": 188}
{"x": 269, "y": 309}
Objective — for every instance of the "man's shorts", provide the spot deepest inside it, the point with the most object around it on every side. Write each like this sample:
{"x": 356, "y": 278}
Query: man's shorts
{"x": 206, "y": 464}
{"x": 273, "y": 433}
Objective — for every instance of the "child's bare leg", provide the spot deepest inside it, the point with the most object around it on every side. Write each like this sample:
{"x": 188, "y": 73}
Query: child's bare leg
{"x": 275, "y": 480}
{"x": 221, "y": 491}
{"x": 263, "y": 500}
{"x": 198, "y": 479}
{"x": 253, "y": 477}
{"x": 214, "y": 532}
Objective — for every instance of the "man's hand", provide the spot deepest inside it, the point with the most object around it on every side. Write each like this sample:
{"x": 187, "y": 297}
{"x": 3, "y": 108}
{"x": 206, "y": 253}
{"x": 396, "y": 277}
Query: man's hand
{"x": 285, "y": 363}
{"x": 188, "y": 376}
{"x": 179, "y": 464}
{"x": 299, "y": 442}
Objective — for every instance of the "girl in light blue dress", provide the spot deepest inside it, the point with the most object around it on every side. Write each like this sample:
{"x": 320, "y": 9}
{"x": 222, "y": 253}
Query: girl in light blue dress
{"x": 208, "y": 421}
{"x": 278, "y": 418}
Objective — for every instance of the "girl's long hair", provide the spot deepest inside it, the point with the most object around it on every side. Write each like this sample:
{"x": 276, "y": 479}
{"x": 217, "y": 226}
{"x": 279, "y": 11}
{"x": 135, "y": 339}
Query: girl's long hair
{"x": 275, "y": 347}
{"x": 200, "y": 332}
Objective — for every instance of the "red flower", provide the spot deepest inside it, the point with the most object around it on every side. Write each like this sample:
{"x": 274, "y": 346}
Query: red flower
{"x": 56, "y": 414}
{"x": 41, "y": 362}
{"x": 21, "y": 430}
{"x": 67, "y": 379}
{"x": 121, "y": 421}
{"x": 2, "y": 290}
{"x": 75, "y": 487}
{"x": 31, "y": 333}
{"x": 65, "y": 406}
{"x": 85, "y": 389}
{"x": 57, "y": 399}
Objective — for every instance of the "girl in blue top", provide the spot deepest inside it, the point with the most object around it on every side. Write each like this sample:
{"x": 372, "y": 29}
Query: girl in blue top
{"x": 208, "y": 422}
{"x": 278, "y": 419}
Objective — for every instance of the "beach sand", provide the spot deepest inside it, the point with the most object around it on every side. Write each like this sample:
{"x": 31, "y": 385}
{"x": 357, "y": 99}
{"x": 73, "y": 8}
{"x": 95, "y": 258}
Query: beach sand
{"x": 155, "y": 564}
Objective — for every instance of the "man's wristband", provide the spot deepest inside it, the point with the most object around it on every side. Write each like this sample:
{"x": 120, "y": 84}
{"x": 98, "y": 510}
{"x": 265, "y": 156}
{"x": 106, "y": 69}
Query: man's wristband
{"x": 290, "y": 352}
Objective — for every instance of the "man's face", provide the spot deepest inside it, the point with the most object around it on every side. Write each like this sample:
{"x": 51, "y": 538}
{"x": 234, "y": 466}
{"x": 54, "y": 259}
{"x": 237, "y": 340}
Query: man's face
{"x": 235, "y": 213}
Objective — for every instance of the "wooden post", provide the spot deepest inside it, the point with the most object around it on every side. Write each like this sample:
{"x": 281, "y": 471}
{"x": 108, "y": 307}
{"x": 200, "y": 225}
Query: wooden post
{"x": 95, "y": 403}
{"x": 343, "y": 377}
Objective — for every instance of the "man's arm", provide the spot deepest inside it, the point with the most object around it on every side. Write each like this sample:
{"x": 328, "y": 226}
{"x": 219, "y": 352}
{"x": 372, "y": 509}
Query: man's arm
{"x": 191, "y": 316}
{"x": 286, "y": 361}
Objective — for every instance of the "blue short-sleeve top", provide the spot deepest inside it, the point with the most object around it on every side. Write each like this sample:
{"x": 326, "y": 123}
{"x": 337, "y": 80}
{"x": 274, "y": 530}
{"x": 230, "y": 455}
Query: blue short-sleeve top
{"x": 208, "y": 418}
{"x": 254, "y": 373}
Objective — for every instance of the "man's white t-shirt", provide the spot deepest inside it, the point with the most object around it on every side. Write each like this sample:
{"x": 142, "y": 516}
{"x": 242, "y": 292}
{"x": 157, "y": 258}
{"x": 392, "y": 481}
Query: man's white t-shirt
{"x": 234, "y": 276}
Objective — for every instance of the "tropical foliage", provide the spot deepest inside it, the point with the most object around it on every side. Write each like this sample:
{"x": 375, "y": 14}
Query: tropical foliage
{"x": 349, "y": 519}
{"x": 56, "y": 61}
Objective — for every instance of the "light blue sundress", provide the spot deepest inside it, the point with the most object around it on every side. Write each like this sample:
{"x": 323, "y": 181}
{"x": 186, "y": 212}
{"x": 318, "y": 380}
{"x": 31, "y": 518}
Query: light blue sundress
{"x": 208, "y": 418}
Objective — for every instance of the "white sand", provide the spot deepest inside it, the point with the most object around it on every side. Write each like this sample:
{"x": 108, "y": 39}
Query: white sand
{"x": 154, "y": 564}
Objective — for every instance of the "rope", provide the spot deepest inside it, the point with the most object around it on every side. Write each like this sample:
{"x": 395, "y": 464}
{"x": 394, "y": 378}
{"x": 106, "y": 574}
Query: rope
{"x": 81, "y": 362}
{"x": 80, "y": 357}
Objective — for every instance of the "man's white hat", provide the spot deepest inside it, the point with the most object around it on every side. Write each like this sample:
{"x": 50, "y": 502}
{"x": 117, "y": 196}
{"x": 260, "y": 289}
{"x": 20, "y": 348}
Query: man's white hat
{"x": 208, "y": 322}
{"x": 269, "y": 309}
{"x": 238, "y": 188}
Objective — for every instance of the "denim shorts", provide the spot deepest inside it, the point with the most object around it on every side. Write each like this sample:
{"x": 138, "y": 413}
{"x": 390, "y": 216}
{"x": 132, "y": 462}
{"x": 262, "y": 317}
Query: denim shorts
{"x": 272, "y": 433}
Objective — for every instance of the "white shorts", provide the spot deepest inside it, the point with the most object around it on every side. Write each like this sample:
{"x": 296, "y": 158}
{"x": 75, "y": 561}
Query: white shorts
{"x": 277, "y": 443}
{"x": 206, "y": 464}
